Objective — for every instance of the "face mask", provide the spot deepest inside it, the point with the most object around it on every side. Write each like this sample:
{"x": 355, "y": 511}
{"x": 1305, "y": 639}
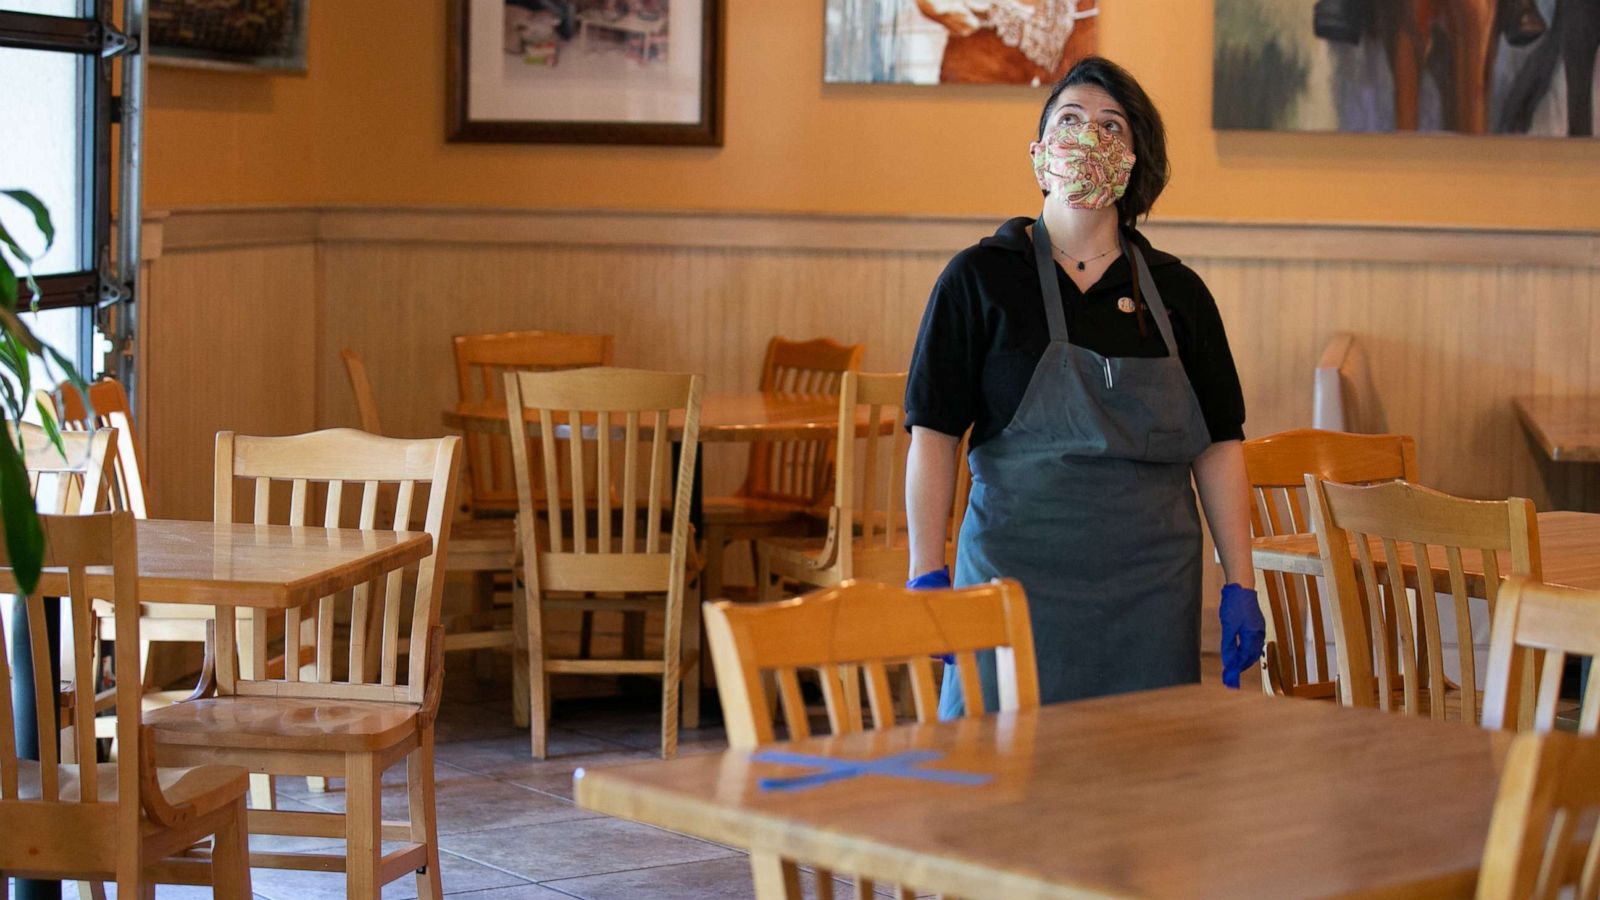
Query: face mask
{"x": 1083, "y": 165}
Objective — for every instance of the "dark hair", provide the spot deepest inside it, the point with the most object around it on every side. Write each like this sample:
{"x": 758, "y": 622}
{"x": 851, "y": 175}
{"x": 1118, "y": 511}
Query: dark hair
{"x": 1151, "y": 170}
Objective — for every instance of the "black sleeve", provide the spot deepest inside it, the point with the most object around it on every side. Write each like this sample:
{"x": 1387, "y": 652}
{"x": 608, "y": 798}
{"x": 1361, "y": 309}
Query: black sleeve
{"x": 942, "y": 388}
{"x": 1211, "y": 370}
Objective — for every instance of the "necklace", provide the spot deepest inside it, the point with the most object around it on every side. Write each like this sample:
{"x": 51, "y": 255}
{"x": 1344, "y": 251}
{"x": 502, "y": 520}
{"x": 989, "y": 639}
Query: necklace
{"x": 1082, "y": 263}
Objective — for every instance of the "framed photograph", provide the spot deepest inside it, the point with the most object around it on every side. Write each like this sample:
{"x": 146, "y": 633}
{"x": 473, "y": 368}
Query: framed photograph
{"x": 1513, "y": 67}
{"x": 1030, "y": 42}
{"x": 585, "y": 71}
{"x": 237, "y": 35}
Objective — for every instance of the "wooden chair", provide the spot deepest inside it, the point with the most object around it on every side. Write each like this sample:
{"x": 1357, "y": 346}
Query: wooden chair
{"x": 354, "y": 711}
{"x": 787, "y": 481}
{"x": 1296, "y": 659}
{"x": 76, "y": 482}
{"x": 1385, "y": 642}
{"x": 1344, "y": 396}
{"x": 111, "y": 410}
{"x": 1537, "y": 627}
{"x": 115, "y": 821}
{"x": 865, "y": 628}
{"x": 488, "y": 542}
{"x": 599, "y": 557}
{"x": 866, "y": 536}
{"x": 355, "y": 368}
{"x": 482, "y": 361}
{"x": 1536, "y": 848}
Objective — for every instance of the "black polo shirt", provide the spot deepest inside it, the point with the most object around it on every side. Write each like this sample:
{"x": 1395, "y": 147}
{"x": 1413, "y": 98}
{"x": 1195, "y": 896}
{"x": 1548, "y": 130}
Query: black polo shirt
{"x": 984, "y": 332}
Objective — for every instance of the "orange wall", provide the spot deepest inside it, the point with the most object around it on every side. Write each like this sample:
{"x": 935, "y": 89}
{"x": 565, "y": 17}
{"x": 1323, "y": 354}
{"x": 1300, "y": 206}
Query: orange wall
{"x": 366, "y": 127}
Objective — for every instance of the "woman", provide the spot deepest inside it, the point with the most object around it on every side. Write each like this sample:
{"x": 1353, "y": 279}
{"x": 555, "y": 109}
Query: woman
{"x": 1095, "y": 376}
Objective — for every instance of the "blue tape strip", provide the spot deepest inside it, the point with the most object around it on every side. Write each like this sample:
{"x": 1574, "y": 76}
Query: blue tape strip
{"x": 898, "y": 765}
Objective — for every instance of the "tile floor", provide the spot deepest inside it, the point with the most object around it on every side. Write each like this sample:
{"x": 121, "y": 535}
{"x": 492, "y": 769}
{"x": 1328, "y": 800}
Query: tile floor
{"x": 508, "y": 829}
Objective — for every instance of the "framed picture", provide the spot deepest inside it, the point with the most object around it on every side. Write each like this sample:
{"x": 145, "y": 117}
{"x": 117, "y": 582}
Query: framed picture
{"x": 1511, "y": 67}
{"x": 1028, "y": 42}
{"x": 237, "y": 35}
{"x": 585, "y": 71}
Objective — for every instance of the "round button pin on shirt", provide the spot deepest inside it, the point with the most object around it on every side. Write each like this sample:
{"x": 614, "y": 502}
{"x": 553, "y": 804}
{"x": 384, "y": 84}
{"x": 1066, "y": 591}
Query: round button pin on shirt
{"x": 1125, "y": 304}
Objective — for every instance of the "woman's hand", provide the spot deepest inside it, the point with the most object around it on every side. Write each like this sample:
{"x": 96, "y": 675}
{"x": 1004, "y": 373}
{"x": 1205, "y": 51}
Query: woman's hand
{"x": 961, "y": 17}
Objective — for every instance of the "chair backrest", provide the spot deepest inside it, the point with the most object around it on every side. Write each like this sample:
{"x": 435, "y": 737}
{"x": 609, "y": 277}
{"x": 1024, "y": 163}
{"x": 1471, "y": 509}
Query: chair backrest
{"x": 1376, "y": 632}
{"x": 799, "y": 471}
{"x": 1536, "y": 628}
{"x": 1540, "y": 844}
{"x": 866, "y": 628}
{"x": 355, "y": 368}
{"x": 617, "y": 423}
{"x": 869, "y": 506}
{"x": 1296, "y": 661}
{"x": 78, "y": 482}
{"x": 35, "y": 794}
{"x": 1344, "y": 396}
{"x": 130, "y": 490}
{"x": 482, "y": 361}
{"x": 319, "y": 469}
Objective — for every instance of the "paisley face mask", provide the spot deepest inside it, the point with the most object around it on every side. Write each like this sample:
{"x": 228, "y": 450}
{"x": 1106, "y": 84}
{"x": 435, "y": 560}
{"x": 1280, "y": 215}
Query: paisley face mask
{"x": 1083, "y": 165}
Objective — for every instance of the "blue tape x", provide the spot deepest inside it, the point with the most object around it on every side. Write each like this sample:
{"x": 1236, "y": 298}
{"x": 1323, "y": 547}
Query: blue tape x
{"x": 898, "y": 765}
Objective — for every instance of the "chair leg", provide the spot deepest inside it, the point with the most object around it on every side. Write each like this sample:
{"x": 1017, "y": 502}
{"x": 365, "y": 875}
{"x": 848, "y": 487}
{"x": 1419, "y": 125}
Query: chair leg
{"x": 672, "y": 677}
{"x": 230, "y": 858}
{"x": 424, "y": 823}
{"x": 763, "y": 576}
{"x": 520, "y": 698}
{"x": 538, "y": 684}
{"x": 261, "y": 791}
{"x": 482, "y": 619}
{"x": 363, "y": 826}
{"x": 691, "y": 663}
{"x": 586, "y": 635}
{"x": 316, "y": 784}
{"x": 711, "y": 579}
{"x": 775, "y": 877}
{"x": 87, "y": 890}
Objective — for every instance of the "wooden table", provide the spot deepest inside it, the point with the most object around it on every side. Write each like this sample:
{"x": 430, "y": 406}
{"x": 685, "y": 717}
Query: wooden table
{"x": 261, "y": 566}
{"x": 1569, "y": 546}
{"x": 1566, "y": 428}
{"x": 724, "y": 418}
{"x": 1189, "y": 791}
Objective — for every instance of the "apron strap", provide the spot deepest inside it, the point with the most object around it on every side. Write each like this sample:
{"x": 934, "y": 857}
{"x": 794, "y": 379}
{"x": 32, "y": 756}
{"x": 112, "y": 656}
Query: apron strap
{"x": 1054, "y": 308}
{"x": 1152, "y": 298}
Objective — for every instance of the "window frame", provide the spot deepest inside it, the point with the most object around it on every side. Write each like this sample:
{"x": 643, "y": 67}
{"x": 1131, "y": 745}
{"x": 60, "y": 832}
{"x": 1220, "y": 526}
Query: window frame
{"x": 91, "y": 38}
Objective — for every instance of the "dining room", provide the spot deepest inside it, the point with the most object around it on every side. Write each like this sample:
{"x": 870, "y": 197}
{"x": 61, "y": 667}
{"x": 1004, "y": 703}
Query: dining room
{"x": 606, "y": 448}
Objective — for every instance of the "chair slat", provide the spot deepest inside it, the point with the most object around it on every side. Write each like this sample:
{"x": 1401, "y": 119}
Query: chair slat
{"x": 580, "y": 525}
{"x": 552, "y": 476}
{"x": 794, "y": 705}
{"x": 602, "y": 493}
{"x": 44, "y": 701}
{"x": 878, "y": 694}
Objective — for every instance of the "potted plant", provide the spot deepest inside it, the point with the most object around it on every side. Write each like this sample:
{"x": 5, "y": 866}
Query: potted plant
{"x": 18, "y": 347}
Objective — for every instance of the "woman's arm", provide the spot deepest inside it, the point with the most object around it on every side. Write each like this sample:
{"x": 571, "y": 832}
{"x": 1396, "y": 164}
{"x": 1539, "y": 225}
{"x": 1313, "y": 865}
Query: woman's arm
{"x": 1225, "y": 494}
{"x": 930, "y": 491}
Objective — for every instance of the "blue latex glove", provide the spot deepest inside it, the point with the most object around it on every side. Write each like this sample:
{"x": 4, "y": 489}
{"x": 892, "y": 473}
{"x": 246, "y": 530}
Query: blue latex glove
{"x": 938, "y": 579}
{"x": 1244, "y": 632}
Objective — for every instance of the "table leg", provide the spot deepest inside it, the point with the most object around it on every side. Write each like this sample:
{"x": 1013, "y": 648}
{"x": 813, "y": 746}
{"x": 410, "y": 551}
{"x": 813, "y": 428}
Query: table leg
{"x": 28, "y": 738}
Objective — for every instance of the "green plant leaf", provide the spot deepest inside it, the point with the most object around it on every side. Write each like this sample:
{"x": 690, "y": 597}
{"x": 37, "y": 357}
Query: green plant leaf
{"x": 8, "y": 285}
{"x": 15, "y": 248}
{"x": 47, "y": 420}
{"x": 18, "y": 330}
{"x": 41, "y": 216}
{"x": 24, "y": 538}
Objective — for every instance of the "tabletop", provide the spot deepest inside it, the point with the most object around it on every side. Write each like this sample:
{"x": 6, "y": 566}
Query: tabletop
{"x": 1567, "y": 428}
{"x": 724, "y": 418}
{"x": 1188, "y": 791}
{"x": 262, "y": 566}
{"x": 1569, "y": 550}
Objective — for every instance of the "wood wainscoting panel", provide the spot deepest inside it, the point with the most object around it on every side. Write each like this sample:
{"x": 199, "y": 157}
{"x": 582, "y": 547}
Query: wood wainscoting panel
{"x": 230, "y": 343}
{"x": 1452, "y": 331}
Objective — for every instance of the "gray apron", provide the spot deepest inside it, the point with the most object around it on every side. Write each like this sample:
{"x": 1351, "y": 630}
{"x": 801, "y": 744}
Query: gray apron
{"x": 1085, "y": 498}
